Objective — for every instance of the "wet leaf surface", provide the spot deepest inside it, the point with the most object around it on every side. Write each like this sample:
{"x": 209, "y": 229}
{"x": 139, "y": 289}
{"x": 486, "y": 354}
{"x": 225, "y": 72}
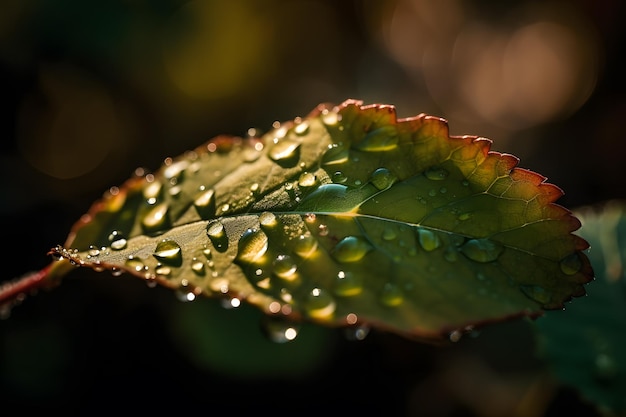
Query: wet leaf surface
{"x": 344, "y": 217}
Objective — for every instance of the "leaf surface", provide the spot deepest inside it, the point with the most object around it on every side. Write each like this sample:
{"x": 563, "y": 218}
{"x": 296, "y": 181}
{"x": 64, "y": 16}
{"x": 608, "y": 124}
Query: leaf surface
{"x": 347, "y": 216}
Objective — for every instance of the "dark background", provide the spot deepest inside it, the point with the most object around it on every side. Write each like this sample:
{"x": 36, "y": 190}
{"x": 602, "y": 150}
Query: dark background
{"x": 92, "y": 90}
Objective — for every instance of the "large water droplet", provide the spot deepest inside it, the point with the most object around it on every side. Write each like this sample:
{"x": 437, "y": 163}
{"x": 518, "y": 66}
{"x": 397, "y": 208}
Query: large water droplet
{"x": 347, "y": 284}
{"x": 156, "y": 218}
{"x": 284, "y": 267}
{"x": 436, "y": 173}
{"x": 384, "y": 138}
{"x": 301, "y": 128}
{"x": 319, "y": 304}
{"x": 252, "y": 246}
{"x": 305, "y": 246}
{"x": 428, "y": 240}
{"x": 152, "y": 191}
{"x": 382, "y": 178}
{"x": 307, "y": 179}
{"x": 285, "y": 150}
{"x": 482, "y": 250}
{"x": 571, "y": 264}
{"x": 169, "y": 252}
{"x": 268, "y": 219}
{"x": 216, "y": 233}
{"x": 351, "y": 249}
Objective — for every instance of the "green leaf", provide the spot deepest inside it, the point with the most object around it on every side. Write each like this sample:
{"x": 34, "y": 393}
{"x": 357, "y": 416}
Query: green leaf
{"x": 584, "y": 344}
{"x": 347, "y": 216}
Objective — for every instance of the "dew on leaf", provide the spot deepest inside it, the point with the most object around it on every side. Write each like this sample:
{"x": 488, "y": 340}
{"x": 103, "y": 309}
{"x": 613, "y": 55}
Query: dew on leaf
{"x": 307, "y": 179}
{"x": 285, "y": 149}
{"x": 319, "y": 304}
{"x": 118, "y": 242}
{"x": 389, "y": 234}
{"x": 391, "y": 295}
{"x": 169, "y": 252}
{"x": 537, "y": 293}
{"x": 152, "y": 190}
{"x": 197, "y": 266}
{"x": 335, "y": 155}
{"x": 339, "y": 177}
{"x": 268, "y": 219}
{"x": 93, "y": 251}
{"x": 351, "y": 249}
{"x": 252, "y": 246}
{"x": 428, "y": 240}
{"x": 571, "y": 264}
{"x": 384, "y": 138}
{"x": 436, "y": 173}
{"x": 135, "y": 264}
{"x": 482, "y": 250}
{"x": 330, "y": 118}
{"x": 163, "y": 270}
{"x": 382, "y": 178}
{"x": 284, "y": 267}
{"x": 305, "y": 245}
{"x": 301, "y": 128}
{"x": 205, "y": 203}
{"x": 216, "y": 233}
{"x": 156, "y": 218}
{"x": 347, "y": 284}
{"x": 464, "y": 216}
{"x": 175, "y": 170}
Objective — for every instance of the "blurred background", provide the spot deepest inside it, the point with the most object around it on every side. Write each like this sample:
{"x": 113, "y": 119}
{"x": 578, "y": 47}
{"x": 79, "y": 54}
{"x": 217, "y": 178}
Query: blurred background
{"x": 92, "y": 90}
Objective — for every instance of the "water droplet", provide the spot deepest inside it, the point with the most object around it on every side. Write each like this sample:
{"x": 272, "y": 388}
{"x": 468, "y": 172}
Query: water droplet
{"x": 176, "y": 170}
{"x": 339, "y": 177}
{"x": 169, "y": 252}
{"x": 436, "y": 173}
{"x": 389, "y": 234}
{"x": 347, "y": 284}
{"x": 118, "y": 242}
{"x": 335, "y": 155}
{"x": 358, "y": 332}
{"x": 301, "y": 128}
{"x": 319, "y": 304}
{"x": 307, "y": 179}
{"x": 152, "y": 190}
{"x": 382, "y": 178}
{"x": 205, "y": 203}
{"x": 384, "y": 138}
{"x": 537, "y": 293}
{"x": 330, "y": 118}
{"x": 197, "y": 266}
{"x": 252, "y": 246}
{"x": 482, "y": 250}
{"x": 455, "y": 335}
{"x": 224, "y": 208}
{"x": 135, "y": 264}
{"x": 279, "y": 330}
{"x": 163, "y": 270}
{"x": 443, "y": 190}
{"x": 305, "y": 245}
{"x": 571, "y": 264}
{"x": 322, "y": 229}
{"x": 93, "y": 252}
{"x": 391, "y": 295}
{"x": 215, "y": 231}
{"x": 428, "y": 240}
{"x": 267, "y": 220}
{"x": 156, "y": 218}
{"x": 351, "y": 249}
{"x": 285, "y": 150}
{"x": 284, "y": 267}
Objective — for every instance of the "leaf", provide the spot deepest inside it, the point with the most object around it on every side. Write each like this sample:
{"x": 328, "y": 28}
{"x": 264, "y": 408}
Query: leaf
{"x": 584, "y": 345}
{"x": 347, "y": 216}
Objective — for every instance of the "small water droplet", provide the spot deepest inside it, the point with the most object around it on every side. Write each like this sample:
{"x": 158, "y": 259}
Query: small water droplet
{"x": 428, "y": 240}
{"x": 93, "y": 252}
{"x": 279, "y": 330}
{"x": 322, "y": 229}
{"x": 482, "y": 250}
{"x": 268, "y": 219}
{"x": 436, "y": 173}
{"x": 305, "y": 245}
{"x": 135, "y": 264}
{"x": 163, "y": 270}
{"x": 285, "y": 150}
{"x": 335, "y": 155}
{"x": 455, "y": 335}
{"x": 205, "y": 203}
{"x": 382, "y": 178}
{"x": 216, "y": 233}
{"x": 197, "y": 266}
{"x": 339, "y": 177}
{"x": 537, "y": 293}
{"x": 384, "y": 138}
{"x": 156, "y": 218}
{"x": 347, "y": 284}
{"x": 307, "y": 179}
{"x": 252, "y": 246}
{"x": 389, "y": 234}
{"x": 319, "y": 304}
{"x": 464, "y": 216}
{"x": 330, "y": 118}
{"x": 351, "y": 249}
{"x": 118, "y": 242}
{"x": 176, "y": 170}
{"x": 391, "y": 295}
{"x": 153, "y": 190}
{"x": 571, "y": 264}
{"x": 169, "y": 252}
{"x": 284, "y": 267}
